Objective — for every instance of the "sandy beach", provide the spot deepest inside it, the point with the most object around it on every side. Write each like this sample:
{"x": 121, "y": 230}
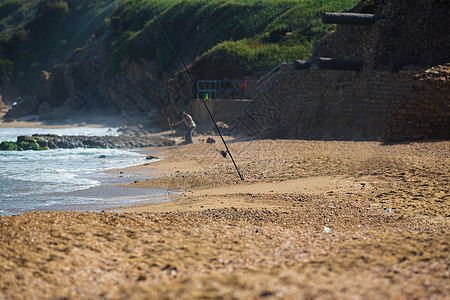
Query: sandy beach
{"x": 337, "y": 115}
{"x": 311, "y": 220}
{"x": 80, "y": 119}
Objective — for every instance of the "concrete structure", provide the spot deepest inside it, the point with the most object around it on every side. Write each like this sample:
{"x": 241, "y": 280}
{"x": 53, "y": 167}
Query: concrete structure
{"x": 223, "y": 110}
{"x": 314, "y": 103}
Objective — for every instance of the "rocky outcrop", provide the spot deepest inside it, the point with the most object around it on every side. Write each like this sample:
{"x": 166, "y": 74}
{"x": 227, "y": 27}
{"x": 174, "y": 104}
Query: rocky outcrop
{"x": 24, "y": 143}
{"x": 130, "y": 137}
{"x": 45, "y": 142}
{"x": 423, "y": 113}
{"x": 87, "y": 82}
{"x": 106, "y": 142}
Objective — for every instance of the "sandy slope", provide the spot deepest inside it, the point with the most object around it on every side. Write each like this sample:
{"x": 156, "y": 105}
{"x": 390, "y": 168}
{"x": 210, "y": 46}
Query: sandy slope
{"x": 311, "y": 220}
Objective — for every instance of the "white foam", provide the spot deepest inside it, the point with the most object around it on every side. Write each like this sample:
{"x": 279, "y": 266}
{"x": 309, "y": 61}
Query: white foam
{"x": 63, "y": 165}
{"x": 29, "y": 178}
{"x": 11, "y": 134}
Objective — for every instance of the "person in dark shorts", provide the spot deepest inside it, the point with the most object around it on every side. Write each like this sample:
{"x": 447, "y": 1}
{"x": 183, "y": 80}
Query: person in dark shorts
{"x": 190, "y": 124}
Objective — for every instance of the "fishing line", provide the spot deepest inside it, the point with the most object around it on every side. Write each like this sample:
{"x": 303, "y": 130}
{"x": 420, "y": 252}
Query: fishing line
{"x": 163, "y": 82}
{"x": 197, "y": 90}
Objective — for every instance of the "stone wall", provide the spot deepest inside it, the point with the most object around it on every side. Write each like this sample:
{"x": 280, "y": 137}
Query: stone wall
{"x": 383, "y": 99}
{"x": 349, "y": 105}
{"x": 424, "y": 113}
{"x": 413, "y": 33}
{"x": 223, "y": 110}
{"x": 329, "y": 104}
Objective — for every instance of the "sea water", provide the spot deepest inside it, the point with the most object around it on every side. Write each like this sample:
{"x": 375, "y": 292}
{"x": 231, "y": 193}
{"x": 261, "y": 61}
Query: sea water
{"x": 69, "y": 179}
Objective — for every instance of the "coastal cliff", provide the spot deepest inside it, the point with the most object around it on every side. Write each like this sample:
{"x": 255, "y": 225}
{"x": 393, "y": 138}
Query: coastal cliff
{"x": 128, "y": 64}
{"x": 117, "y": 55}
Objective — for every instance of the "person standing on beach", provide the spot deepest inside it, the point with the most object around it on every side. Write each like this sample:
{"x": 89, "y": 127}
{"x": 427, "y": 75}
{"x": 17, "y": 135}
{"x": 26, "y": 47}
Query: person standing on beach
{"x": 190, "y": 124}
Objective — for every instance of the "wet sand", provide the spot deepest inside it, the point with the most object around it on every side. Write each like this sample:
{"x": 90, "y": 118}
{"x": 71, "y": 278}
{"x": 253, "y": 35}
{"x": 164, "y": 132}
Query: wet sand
{"x": 313, "y": 219}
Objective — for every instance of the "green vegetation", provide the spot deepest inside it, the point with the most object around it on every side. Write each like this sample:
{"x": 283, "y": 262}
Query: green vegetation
{"x": 252, "y": 35}
{"x": 24, "y": 143}
{"x": 41, "y": 33}
{"x": 6, "y": 67}
{"x": 8, "y": 7}
{"x": 14, "y": 14}
{"x": 8, "y": 146}
{"x": 289, "y": 36}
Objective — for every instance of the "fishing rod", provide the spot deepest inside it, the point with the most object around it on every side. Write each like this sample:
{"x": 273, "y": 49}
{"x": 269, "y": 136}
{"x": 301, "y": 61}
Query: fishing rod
{"x": 197, "y": 90}
{"x": 167, "y": 112}
{"x": 164, "y": 83}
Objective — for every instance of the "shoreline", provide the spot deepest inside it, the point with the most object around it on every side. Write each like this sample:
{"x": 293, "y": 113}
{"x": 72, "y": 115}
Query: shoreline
{"x": 177, "y": 166}
{"x": 109, "y": 188}
{"x": 34, "y": 122}
{"x": 313, "y": 219}
{"x": 159, "y": 170}
{"x": 82, "y": 184}
{"x": 96, "y": 119}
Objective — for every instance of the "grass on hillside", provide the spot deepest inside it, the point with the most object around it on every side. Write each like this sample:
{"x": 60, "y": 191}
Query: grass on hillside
{"x": 288, "y": 37}
{"x": 15, "y": 13}
{"x": 39, "y": 34}
{"x": 254, "y": 34}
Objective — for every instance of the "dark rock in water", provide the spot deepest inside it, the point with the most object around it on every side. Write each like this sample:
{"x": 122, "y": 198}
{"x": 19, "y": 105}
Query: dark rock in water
{"x": 151, "y": 157}
{"x": 24, "y": 143}
{"x": 51, "y": 141}
{"x": 102, "y": 156}
{"x": 41, "y": 142}
{"x": 25, "y": 139}
{"x": 8, "y": 146}
{"x": 104, "y": 142}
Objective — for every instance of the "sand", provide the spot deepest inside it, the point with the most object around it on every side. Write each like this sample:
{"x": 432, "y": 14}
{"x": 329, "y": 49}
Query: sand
{"x": 313, "y": 219}
{"x": 80, "y": 119}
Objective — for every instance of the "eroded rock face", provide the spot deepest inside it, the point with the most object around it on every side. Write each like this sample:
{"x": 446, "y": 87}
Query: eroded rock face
{"x": 423, "y": 113}
{"x": 87, "y": 82}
